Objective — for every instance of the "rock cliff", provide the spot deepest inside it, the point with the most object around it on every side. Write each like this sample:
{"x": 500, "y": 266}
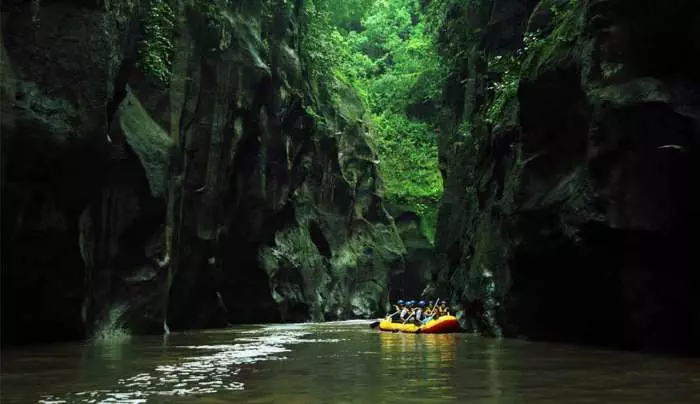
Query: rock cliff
{"x": 571, "y": 163}
{"x": 175, "y": 164}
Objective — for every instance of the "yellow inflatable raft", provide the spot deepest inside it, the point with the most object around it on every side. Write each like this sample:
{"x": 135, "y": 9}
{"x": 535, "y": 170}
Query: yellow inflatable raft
{"x": 439, "y": 325}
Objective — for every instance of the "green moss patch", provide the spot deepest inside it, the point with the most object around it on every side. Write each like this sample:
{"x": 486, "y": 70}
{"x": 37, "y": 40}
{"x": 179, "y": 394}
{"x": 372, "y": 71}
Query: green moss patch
{"x": 150, "y": 142}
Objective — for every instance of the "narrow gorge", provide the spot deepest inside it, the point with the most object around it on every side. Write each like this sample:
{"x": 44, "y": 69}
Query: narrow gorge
{"x": 172, "y": 165}
{"x": 177, "y": 165}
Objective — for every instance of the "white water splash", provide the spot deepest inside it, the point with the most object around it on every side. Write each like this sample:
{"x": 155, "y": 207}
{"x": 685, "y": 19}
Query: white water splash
{"x": 349, "y": 322}
{"x": 215, "y": 370}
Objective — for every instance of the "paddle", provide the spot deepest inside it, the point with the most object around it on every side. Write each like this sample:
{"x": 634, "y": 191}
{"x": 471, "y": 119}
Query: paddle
{"x": 412, "y": 315}
{"x": 435, "y": 307}
{"x": 376, "y": 323}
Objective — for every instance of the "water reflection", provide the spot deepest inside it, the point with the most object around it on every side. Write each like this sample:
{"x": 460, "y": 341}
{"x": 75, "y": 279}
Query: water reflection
{"x": 213, "y": 368}
{"x": 493, "y": 352}
{"x": 429, "y": 351}
{"x": 421, "y": 363}
{"x": 341, "y": 362}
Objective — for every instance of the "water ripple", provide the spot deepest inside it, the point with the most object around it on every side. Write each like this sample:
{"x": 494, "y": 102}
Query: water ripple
{"x": 214, "y": 371}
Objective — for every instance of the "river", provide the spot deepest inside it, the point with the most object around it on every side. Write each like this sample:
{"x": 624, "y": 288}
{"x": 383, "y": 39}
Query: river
{"x": 340, "y": 362}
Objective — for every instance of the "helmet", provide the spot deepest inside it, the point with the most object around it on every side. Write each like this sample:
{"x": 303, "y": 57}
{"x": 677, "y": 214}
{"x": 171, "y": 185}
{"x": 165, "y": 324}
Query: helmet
{"x": 421, "y": 303}
{"x": 410, "y": 303}
{"x": 443, "y": 302}
{"x": 400, "y": 302}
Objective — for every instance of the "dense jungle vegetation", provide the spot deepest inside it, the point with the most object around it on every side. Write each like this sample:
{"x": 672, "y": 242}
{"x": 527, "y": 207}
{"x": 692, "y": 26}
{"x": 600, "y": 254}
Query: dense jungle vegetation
{"x": 385, "y": 49}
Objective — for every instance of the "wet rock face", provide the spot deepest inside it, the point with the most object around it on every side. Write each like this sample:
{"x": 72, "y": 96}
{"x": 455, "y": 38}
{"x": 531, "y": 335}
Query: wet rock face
{"x": 581, "y": 195}
{"x": 409, "y": 278}
{"x": 212, "y": 199}
{"x": 74, "y": 207}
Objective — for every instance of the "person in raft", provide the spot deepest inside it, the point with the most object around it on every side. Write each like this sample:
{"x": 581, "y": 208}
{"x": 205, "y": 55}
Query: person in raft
{"x": 442, "y": 309}
{"x": 411, "y": 311}
{"x": 400, "y": 307}
{"x": 430, "y": 312}
{"x": 418, "y": 314}
{"x": 408, "y": 309}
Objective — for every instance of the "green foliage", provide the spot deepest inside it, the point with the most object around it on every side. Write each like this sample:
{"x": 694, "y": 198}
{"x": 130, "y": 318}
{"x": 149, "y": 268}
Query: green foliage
{"x": 408, "y": 159}
{"x": 383, "y": 49}
{"x": 446, "y": 22}
{"x": 536, "y": 47}
{"x": 156, "y": 47}
{"x": 559, "y": 45}
{"x": 465, "y": 129}
{"x": 560, "y": 10}
{"x": 411, "y": 74}
{"x": 320, "y": 44}
{"x": 211, "y": 28}
{"x": 347, "y": 15}
{"x": 509, "y": 68}
{"x": 453, "y": 24}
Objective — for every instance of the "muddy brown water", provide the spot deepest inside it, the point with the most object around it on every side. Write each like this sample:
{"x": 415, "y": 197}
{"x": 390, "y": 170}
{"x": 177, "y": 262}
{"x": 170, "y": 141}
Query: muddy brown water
{"x": 340, "y": 362}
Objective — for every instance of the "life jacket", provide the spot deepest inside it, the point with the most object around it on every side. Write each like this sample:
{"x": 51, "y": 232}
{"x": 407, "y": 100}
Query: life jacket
{"x": 419, "y": 314}
{"x": 404, "y": 313}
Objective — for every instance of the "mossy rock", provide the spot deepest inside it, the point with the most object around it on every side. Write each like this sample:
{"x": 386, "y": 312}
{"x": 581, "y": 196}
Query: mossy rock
{"x": 150, "y": 142}
{"x": 349, "y": 103}
{"x": 559, "y": 48}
